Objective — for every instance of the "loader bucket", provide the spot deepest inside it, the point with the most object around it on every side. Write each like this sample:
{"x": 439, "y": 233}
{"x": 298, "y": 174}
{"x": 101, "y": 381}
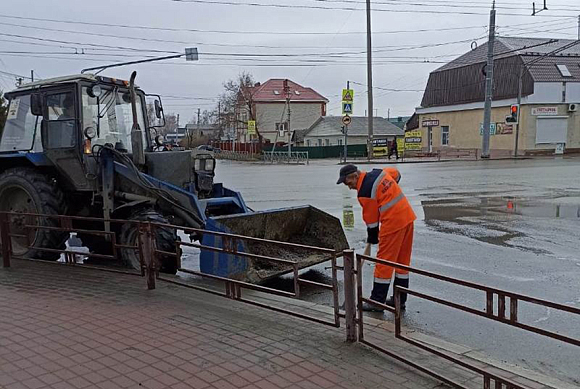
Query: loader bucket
{"x": 304, "y": 225}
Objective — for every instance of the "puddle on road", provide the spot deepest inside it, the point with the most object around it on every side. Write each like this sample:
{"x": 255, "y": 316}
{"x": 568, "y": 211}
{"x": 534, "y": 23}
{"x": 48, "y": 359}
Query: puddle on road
{"x": 487, "y": 219}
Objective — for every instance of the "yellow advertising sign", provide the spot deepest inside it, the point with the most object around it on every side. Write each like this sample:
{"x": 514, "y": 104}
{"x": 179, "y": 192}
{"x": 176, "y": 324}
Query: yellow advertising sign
{"x": 251, "y": 127}
{"x": 400, "y": 144}
{"x": 413, "y": 140}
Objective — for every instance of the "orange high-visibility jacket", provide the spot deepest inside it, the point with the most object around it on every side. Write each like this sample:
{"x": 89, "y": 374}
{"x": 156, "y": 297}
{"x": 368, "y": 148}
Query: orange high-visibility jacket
{"x": 383, "y": 201}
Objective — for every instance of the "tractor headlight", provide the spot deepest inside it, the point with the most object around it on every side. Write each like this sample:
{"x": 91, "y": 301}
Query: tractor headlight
{"x": 197, "y": 165}
{"x": 95, "y": 91}
{"x": 209, "y": 164}
{"x": 90, "y": 132}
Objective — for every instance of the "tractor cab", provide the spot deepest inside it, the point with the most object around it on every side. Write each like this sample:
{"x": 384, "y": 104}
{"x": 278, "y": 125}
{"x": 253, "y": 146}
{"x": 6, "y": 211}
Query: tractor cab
{"x": 65, "y": 121}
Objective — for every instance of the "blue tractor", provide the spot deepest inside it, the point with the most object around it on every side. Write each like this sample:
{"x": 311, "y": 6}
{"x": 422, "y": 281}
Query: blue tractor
{"x": 84, "y": 145}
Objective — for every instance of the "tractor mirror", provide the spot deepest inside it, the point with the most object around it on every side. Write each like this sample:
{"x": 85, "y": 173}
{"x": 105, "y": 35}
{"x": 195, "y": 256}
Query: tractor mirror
{"x": 158, "y": 109}
{"x": 36, "y": 104}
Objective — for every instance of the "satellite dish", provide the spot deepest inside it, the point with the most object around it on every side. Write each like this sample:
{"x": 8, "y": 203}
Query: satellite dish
{"x": 473, "y": 45}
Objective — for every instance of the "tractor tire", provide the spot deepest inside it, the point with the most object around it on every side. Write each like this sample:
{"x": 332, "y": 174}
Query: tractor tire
{"x": 25, "y": 190}
{"x": 165, "y": 240}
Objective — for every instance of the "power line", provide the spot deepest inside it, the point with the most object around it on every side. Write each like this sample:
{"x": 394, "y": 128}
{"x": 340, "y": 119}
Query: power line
{"x": 139, "y": 27}
{"x": 84, "y": 44}
{"x": 301, "y": 6}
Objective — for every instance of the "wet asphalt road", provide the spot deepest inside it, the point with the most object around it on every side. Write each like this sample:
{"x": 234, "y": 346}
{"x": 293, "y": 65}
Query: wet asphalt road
{"x": 513, "y": 225}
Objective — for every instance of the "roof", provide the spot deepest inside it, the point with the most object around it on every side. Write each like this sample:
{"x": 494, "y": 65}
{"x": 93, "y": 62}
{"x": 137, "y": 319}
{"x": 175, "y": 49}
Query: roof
{"x": 332, "y": 125}
{"x": 462, "y": 80}
{"x": 298, "y": 135}
{"x": 529, "y": 49}
{"x": 413, "y": 122}
{"x": 58, "y": 80}
{"x": 399, "y": 121}
{"x": 273, "y": 91}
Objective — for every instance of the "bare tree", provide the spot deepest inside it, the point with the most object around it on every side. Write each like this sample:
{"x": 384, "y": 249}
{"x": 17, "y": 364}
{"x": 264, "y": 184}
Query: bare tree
{"x": 236, "y": 98}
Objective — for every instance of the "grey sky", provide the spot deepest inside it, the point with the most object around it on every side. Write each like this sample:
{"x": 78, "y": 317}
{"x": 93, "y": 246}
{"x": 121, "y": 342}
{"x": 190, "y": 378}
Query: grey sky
{"x": 224, "y": 55}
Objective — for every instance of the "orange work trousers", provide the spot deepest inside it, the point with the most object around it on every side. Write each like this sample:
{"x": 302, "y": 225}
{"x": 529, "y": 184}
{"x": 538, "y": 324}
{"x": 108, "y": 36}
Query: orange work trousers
{"x": 394, "y": 247}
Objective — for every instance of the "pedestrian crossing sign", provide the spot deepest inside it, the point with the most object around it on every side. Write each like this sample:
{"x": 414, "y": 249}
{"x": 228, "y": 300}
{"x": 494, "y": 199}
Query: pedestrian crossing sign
{"x": 346, "y": 108}
{"x": 348, "y": 95}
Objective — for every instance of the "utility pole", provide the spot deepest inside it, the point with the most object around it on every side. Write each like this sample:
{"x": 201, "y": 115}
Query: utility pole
{"x": 369, "y": 82}
{"x": 32, "y": 76}
{"x": 177, "y": 130}
{"x": 288, "y": 95}
{"x": 579, "y": 27}
{"x": 488, "y": 86}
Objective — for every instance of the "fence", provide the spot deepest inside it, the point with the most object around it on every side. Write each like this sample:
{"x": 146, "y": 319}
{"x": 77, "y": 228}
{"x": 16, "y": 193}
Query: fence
{"x": 488, "y": 312}
{"x": 148, "y": 257}
{"x": 148, "y": 254}
{"x": 298, "y": 157}
{"x": 237, "y": 155}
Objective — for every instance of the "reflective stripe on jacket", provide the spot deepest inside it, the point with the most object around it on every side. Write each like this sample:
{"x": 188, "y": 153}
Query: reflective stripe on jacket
{"x": 383, "y": 202}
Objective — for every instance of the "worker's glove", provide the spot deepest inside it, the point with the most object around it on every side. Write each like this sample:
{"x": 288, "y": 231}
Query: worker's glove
{"x": 373, "y": 235}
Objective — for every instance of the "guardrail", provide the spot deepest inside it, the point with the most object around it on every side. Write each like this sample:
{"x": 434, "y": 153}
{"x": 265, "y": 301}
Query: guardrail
{"x": 149, "y": 254}
{"x": 236, "y": 155}
{"x": 299, "y": 157}
{"x": 488, "y": 312}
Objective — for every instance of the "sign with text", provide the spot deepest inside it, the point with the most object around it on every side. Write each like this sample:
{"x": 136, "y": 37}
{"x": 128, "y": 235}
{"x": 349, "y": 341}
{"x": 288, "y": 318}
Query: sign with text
{"x": 251, "y": 127}
{"x": 545, "y": 111}
{"x": 492, "y": 129}
{"x": 504, "y": 129}
{"x": 430, "y": 123}
{"x": 413, "y": 140}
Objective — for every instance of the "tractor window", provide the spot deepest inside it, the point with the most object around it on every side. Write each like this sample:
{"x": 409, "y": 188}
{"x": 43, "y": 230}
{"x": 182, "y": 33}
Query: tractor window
{"x": 112, "y": 116}
{"x": 21, "y": 127}
{"x": 60, "y": 129}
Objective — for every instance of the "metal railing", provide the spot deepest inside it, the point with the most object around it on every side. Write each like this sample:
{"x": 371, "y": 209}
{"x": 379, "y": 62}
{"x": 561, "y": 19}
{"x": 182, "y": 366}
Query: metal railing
{"x": 149, "y": 254}
{"x": 236, "y": 155}
{"x": 233, "y": 287}
{"x": 299, "y": 157}
{"x": 488, "y": 312}
{"x": 506, "y": 310}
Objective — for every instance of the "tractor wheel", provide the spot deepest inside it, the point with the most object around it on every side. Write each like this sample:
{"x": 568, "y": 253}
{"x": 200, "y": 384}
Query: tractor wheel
{"x": 165, "y": 240}
{"x": 24, "y": 190}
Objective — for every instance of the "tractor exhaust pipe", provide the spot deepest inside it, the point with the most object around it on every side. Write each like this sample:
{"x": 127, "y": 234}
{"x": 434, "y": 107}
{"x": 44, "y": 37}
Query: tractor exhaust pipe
{"x": 136, "y": 132}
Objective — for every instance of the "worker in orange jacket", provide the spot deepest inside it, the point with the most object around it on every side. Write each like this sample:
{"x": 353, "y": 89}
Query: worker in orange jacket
{"x": 389, "y": 219}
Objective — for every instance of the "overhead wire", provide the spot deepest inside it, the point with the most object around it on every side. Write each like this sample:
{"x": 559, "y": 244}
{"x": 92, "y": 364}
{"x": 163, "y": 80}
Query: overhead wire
{"x": 174, "y": 29}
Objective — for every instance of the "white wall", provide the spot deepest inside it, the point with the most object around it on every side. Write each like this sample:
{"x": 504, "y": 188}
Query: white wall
{"x": 546, "y": 93}
{"x": 573, "y": 92}
{"x": 302, "y": 116}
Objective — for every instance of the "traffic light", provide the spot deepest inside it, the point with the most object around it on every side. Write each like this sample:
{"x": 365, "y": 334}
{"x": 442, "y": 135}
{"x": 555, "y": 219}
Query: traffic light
{"x": 514, "y": 114}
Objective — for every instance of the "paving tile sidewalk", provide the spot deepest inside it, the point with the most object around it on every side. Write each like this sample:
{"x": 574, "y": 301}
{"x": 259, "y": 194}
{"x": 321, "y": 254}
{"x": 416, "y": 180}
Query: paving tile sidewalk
{"x": 64, "y": 327}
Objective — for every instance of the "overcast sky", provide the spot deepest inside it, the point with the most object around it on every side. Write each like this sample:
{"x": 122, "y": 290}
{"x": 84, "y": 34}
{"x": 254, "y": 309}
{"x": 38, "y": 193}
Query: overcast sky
{"x": 319, "y": 48}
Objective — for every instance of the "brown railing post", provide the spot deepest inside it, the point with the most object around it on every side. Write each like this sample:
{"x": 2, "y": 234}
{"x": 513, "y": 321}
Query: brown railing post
{"x": 349, "y": 296}
{"x": 147, "y": 248}
{"x": 5, "y": 239}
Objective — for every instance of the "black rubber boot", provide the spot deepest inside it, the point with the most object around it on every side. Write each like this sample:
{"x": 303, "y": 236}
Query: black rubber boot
{"x": 403, "y": 282}
{"x": 379, "y": 294}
